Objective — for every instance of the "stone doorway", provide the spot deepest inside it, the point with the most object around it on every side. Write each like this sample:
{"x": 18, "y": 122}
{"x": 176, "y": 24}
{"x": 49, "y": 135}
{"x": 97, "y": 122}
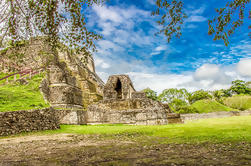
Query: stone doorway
{"x": 118, "y": 89}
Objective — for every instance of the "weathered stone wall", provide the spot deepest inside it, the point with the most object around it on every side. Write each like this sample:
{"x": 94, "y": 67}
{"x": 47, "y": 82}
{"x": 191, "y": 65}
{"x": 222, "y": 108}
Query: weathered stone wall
{"x": 129, "y": 111}
{"x": 135, "y": 117}
{"x": 87, "y": 80}
{"x": 71, "y": 117}
{"x": 138, "y": 95}
{"x": 24, "y": 121}
{"x": 63, "y": 90}
{"x": 196, "y": 116}
{"x": 72, "y": 84}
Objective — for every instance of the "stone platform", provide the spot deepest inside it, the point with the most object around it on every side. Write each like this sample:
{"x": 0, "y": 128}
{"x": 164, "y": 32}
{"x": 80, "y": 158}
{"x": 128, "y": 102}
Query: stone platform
{"x": 127, "y": 111}
{"x": 122, "y": 104}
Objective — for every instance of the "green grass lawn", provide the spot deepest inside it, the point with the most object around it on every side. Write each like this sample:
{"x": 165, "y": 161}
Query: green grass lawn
{"x": 241, "y": 102}
{"x": 206, "y": 130}
{"x": 15, "y": 97}
{"x": 206, "y": 106}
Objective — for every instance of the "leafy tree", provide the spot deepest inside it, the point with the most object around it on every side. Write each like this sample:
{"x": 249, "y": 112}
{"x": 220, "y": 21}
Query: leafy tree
{"x": 220, "y": 94}
{"x": 177, "y": 104}
{"x": 181, "y": 106}
{"x": 199, "y": 95}
{"x": 240, "y": 87}
{"x": 177, "y": 99}
{"x": 58, "y": 20}
{"x": 150, "y": 93}
{"x": 172, "y": 17}
{"x": 222, "y": 26}
{"x": 168, "y": 95}
{"x": 227, "y": 93}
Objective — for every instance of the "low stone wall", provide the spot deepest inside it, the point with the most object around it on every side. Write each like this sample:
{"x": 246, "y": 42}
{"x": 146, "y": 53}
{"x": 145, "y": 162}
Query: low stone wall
{"x": 24, "y": 121}
{"x": 190, "y": 117}
{"x": 37, "y": 120}
{"x": 134, "y": 117}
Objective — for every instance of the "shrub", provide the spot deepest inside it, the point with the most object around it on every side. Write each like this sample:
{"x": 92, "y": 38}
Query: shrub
{"x": 188, "y": 110}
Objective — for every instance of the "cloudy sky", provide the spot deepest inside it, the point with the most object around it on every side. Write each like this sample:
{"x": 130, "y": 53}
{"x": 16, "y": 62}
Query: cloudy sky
{"x": 194, "y": 61}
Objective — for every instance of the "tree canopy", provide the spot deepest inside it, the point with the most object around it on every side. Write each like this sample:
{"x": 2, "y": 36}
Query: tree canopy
{"x": 65, "y": 20}
{"x": 239, "y": 87}
{"x": 150, "y": 93}
{"x": 222, "y": 26}
{"x": 58, "y": 20}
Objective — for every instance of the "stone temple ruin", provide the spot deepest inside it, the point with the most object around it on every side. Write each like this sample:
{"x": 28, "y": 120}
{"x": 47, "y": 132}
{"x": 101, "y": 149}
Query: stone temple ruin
{"x": 122, "y": 104}
{"x": 72, "y": 84}
{"x": 79, "y": 96}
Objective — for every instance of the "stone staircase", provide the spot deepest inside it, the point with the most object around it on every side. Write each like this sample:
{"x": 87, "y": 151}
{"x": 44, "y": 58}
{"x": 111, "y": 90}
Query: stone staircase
{"x": 87, "y": 80}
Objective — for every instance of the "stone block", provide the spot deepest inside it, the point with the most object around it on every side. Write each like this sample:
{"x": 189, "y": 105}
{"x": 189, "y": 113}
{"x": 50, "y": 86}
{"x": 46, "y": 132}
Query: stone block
{"x": 65, "y": 94}
{"x": 138, "y": 95}
{"x": 71, "y": 117}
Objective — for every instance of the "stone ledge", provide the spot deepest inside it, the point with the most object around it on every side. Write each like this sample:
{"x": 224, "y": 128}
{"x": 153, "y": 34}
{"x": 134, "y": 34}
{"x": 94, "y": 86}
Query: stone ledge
{"x": 223, "y": 114}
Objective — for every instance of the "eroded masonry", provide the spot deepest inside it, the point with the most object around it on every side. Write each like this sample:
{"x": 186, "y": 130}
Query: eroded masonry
{"x": 78, "y": 96}
{"x": 70, "y": 84}
{"x": 122, "y": 104}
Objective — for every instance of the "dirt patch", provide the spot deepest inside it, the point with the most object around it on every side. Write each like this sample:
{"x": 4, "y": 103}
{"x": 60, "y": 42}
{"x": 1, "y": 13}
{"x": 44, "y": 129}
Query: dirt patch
{"x": 69, "y": 149}
{"x": 56, "y": 137}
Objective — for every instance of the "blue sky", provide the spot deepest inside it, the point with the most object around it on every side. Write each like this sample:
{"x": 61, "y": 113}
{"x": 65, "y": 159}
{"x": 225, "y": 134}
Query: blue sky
{"x": 194, "y": 61}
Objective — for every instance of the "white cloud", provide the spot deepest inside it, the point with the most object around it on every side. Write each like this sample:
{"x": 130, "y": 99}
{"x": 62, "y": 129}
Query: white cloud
{"x": 158, "y": 82}
{"x": 244, "y": 67}
{"x": 207, "y": 76}
{"x": 196, "y": 19}
{"x": 242, "y": 49}
{"x": 107, "y": 13}
{"x": 152, "y": 2}
{"x": 160, "y": 48}
{"x": 195, "y": 15}
{"x": 163, "y": 48}
{"x": 122, "y": 33}
{"x": 191, "y": 26}
{"x": 207, "y": 71}
{"x": 106, "y": 44}
{"x": 193, "y": 11}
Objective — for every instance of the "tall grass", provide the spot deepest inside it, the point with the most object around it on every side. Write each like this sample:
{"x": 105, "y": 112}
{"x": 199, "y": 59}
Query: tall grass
{"x": 241, "y": 102}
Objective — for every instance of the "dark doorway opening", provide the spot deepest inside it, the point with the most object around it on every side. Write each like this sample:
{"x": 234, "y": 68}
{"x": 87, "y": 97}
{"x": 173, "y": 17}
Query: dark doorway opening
{"x": 118, "y": 89}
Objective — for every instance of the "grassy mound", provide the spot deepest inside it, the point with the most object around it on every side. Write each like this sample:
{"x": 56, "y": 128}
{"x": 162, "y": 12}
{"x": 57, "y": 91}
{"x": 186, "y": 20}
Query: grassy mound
{"x": 241, "y": 102}
{"x": 15, "y": 97}
{"x": 206, "y": 106}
